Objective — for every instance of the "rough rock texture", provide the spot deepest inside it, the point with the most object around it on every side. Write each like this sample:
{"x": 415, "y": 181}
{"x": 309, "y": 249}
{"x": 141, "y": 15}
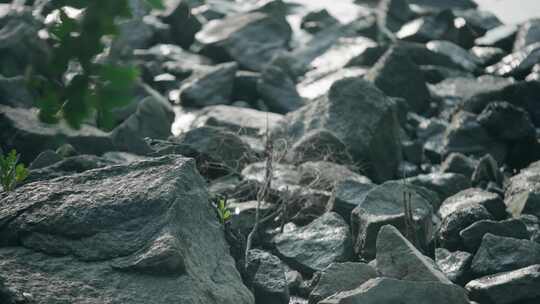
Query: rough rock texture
{"x": 472, "y": 235}
{"x": 136, "y": 233}
{"x": 384, "y": 205}
{"x": 314, "y": 247}
{"x": 385, "y": 290}
{"x": 522, "y": 194}
{"x": 444, "y": 184}
{"x": 340, "y": 277}
{"x": 266, "y": 274}
{"x": 515, "y": 286}
{"x": 360, "y": 116}
{"x": 455, "y": 265}
{"x": 398, "y": 258}
{"x": 278, "y": 91}
{"x": 458, "y": 220}
{"x": 474, "y": 196}
{"x": 22, "y": 130}
{"x": 251, "y": 39}
{"x": 497, "y": 254}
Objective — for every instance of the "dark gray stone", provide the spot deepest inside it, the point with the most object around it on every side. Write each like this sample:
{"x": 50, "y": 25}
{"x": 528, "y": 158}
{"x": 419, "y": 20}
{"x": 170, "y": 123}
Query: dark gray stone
{"x": 498, "y": 254}
{"x": 398, "y": 76}
{"x": 458, "y": 163}
{"x": 278, "y": 91}
{"x": 516, "y": 286}
{"x": 474, "y": 196}
{"x": 455, "y": 53}
{"x": 266, "y": 274}
{"x": 208, "y": 86}
{"x": 529, "y": 33}
{"x": 487, "y": 170}
{"x": 517, "y": 64}
{"x": 487, "y": 55}
{"x": 251, "y": 39}
{"x": 119, "y": 234}
{"x": 319, "y": 145}
{"x": 444, "y": 184}
{"x": 472, "y": 235}
{"x": 348, "y": 194}
{"x": 386, "y": 290}
{"x": 14, "y": 92}
{"x": 21, "y": 129}
{"x": 314, "y": 247}
{"x": 317, "y": 21}
{"x": 522, "y": 193}
{"x": 45, "y": 159}
{"x": 507, "y": 121}
{"x": 361, "y": 116}
{"x": 327, "y": 175}
{"x": 502, "y": 37}
{"x": 384, "y": 205}
{"x": 455, "y": 265}
{"x": 340, "y": 277}
{"x": 392, "y": 14}
{"x": 398, "y": 258}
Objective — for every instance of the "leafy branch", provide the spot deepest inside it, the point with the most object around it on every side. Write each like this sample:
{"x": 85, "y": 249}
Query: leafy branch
{"x": 11, "y": 172}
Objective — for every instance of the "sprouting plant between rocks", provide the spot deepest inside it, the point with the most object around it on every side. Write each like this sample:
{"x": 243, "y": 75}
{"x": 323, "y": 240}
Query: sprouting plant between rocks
{"x": 11, "y": 173}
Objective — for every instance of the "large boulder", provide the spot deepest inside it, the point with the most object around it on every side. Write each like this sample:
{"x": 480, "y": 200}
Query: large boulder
{"x": 251, "y": 39}
{"x": 314, "y": 247}
{"x": 138, "y": 233}
{"x": 398, "y": 258}
{"x": 361, "y": 116}
{"x": 386, "y": 290}
{"x": 21, "y": 129}
{"x": 384, "y": 205}
{"x": 266, "y": 273}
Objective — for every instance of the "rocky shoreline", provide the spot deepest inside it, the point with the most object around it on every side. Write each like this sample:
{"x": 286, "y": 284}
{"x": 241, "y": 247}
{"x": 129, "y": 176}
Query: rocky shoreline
{"x": 394, "y": 158}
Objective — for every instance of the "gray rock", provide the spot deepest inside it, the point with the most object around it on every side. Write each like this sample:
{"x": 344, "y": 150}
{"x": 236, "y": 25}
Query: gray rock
{"x": 529, "y": 33}
{"x": 314, "y": 247}
{"x": 455, "y": 265}
{"x": 498, "y": 254}
{"x": 451, "y": 225}
{"x": 326, "y": 175}
{"x": 14, "y": 92}
{"x": 502, "y": 37}
{"x": 487, "y": 170}
{"x": 317, "y": 145}
{"x": 398, "y": 76}
{"x": 398, "y": 258}
{"x": 22, "y": 130}
{"x": 517, "y": 64}
{"x": 384, "y": 205}
{"x": 317, "y": 21}
{"x": 348, "y": 194}
{"x": 516, "y": 286}
{"x": 278, "y": 91}
{"x": 522, "y": 193}
{"x": 444, "y": 184}
{"x": 184, "y": 26}
{"x": 385, "y": 290}
{"x": 474, "y": 196}
{"x": 361, "y": 116}
{"x": 208, "y": 86}
{"x": 435, "y": 5}
{"x": 119, "y": 234}
{"x": 152, "y": 119}
{"x": 392, "y": 14}
{"x": 507, "y": 121}
{"x": 472, "y": 235}
{"x": 267, "y": 276}
{"x": 465, "y": 135}
{"x": 45, "y": 159}
{"x": 458, "y": 163}
{"x": 457, "y": 54}
{"x": 487, "y": 55}
{"x": 480, "y": 20}
{"x": 242, "y": 121}
{"x": 251, "y": 39}
{"x": 340, "y": 277}
{"x": 533, "y": 226}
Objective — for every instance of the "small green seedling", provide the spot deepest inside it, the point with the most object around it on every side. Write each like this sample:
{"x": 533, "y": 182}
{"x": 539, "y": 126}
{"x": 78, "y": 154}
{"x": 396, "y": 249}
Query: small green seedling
{"x": 224, "y": 213}
{"x": 11, "y": 173}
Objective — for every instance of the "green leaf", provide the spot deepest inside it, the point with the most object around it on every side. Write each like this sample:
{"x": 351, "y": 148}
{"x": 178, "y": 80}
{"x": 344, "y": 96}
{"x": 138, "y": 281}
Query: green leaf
{"x": 227, "y": 215}
{"x": 21, "y": 173}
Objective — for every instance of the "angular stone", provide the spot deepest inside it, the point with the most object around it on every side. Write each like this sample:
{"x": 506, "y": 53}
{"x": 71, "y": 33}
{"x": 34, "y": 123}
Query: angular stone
{"x": 457, "y": 54}
{"x": 472, "y": 235}
{"x": 487, "y": 55}
{"x": 502, "y": 37}
{"x": 498, "y": 254}
{"x": 398, "y": 76}
{"x": 507, "y": 121}
{"x": 34, "y": 136}
{"x": 209, "y": 86}
{"x": 251, "y": 39}
{"x": 326, "y": 175}
{"x": 455, "y": 265}
{"x": 361, "y": 116}
{"x": 138, "y": 225}
{"x": 444, "y": 184}
{"x": 383, "y": 205}
{"x": 266, "y": 273}
{"x": 516, "y": 286}
{"x": 385, "y": 290}
{"x": 517, "y": 64}
{"x": 340, "y": 277}
{"x": 458, "y": 163}
{"x": 529, "y": 33}
{"x": 398, "y": 258}
{"x": 348, "y": 194}
{"x": 460, "y": 219}
{"x": 314, "y": 247}
{"x": 522, "y": 193}
{"x": 278, "y": 91}
{"x": 474, "y": 196}
{"x": 394, "y": 13}
{"x": 317, "y": 145}
{"x": 487, "y": 171}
